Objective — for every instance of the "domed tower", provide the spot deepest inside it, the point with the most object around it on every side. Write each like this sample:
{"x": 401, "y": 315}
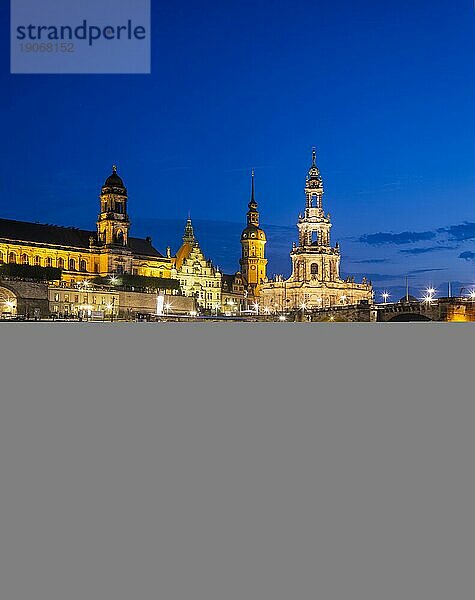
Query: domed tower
{"x": 113, "y": 223}
{"x": 253, "y": 240}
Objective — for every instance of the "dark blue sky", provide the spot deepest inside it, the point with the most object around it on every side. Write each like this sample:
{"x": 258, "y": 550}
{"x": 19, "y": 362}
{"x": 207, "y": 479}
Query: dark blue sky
{"x": 385, "y": 90}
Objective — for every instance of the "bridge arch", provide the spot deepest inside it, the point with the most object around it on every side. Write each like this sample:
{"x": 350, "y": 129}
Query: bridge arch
{"x": 409, "y": 318}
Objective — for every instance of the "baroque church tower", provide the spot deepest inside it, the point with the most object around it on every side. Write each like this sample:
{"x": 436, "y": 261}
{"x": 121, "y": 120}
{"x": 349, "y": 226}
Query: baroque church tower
{"x": 314, "y": 258}
{"x": 113, "y": 223}
{"x": 315, "y": 281}
{"x": 253, "y": 240}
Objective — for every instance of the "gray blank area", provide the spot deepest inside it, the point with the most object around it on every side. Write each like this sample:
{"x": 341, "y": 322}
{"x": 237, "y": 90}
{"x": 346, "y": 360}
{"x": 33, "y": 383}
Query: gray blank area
{"x": 241, "y": 462}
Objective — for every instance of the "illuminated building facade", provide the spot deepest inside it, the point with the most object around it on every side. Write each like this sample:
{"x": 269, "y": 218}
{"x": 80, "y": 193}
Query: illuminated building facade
{"x": 232, "y": 294}
{"x": 81, "y": 254}
{"x": 315, "y": 281}
{"x": 197, "y": 275}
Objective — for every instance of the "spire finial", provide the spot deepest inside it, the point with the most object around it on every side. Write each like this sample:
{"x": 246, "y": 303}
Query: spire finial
{"x": 314, "y": 157}
{"x": 114, "y": 168}
{"x": 252, "y": 186}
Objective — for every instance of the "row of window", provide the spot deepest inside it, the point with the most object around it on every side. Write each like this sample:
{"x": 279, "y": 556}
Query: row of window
{"x": 85, "y": 299}
{"x": 24, "y": 259}
{"x": 217, "y": 284}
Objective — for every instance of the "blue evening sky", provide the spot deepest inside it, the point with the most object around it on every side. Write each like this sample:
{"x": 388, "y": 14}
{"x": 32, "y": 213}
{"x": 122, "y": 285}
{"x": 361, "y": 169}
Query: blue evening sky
{"x": 385, "y": 90}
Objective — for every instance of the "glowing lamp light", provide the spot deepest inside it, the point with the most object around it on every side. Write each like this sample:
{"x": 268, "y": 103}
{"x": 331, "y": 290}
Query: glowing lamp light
{"x": 385, "y": 296}
{"x": 10, "y": 304}
{"x": 282, "y": 318}
{"x": 472, "y": 295}
{"x": 109, "y": 306}
{"x": 303, "y": 306}
{"x": 114, "y": 280}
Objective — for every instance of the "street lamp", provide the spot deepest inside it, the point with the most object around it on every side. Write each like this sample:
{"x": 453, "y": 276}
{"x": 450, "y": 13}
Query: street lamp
{"x": 85, "y": 286}
{"x": 255, "y": 306}
{"x": 385, "y": 296}
{"x": 167, "y": 308}
{"x": 10, "y": 304}
{"x": 282, "y": 318}
{"x": 472, "y": 294}
{"x": 429, "y": 295}
{"x": 110, "y": 308}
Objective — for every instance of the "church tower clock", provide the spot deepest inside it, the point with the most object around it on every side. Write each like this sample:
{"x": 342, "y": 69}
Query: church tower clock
{"x": 253, "y": 240}
{"x": 113, "y": 223}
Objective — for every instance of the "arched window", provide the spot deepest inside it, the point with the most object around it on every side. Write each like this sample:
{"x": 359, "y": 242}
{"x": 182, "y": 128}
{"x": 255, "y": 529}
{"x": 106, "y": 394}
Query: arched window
{"x": 1, "y": 257}
{"x": 72, "y": 264}
{"x": 37, "y": 261}
{"x": 314, "y": 269}
{"x": 24, "y": 259}
{"x": 48, "y": 261}
{"x": 83, "y": 266}
{"x": 120, "y": 237}
{"x": 60, "y": 263}
{"x": 12, "y": 258}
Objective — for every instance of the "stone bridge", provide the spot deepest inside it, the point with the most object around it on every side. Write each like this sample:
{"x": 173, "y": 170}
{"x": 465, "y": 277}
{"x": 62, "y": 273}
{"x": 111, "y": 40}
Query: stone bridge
{"x": 24, "y": 299}
{"x": 440, "y": 309}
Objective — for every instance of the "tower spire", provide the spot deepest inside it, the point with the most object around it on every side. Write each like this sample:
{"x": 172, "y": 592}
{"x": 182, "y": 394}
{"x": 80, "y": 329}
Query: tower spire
{"x": 253, "y": 240}
{"x": 252, "y": 202}
{"x": 189, "y": 235}
{"x": 314, "y": 156}
{"x": 253, "y": 214}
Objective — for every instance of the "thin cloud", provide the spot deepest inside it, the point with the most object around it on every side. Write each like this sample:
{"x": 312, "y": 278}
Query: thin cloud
{"x": 371, "y": 261}
{"x": 464, "y": 231}
{"x": 467, "y": 255}
{"x": 416, "y": 251}
{"x": 416, "y": 271}
{"x": 405, "y": 237}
